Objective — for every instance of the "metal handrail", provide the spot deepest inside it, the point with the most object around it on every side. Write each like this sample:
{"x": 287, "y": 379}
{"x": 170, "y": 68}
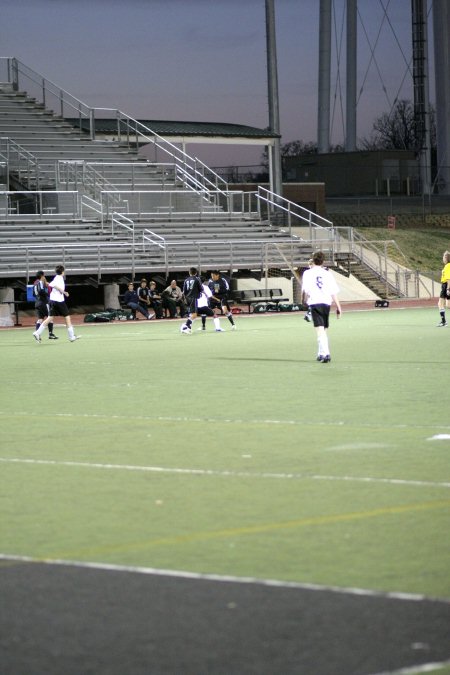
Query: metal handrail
{"x": 374, "y": 255}
{"x": 211, "y": 206}
{"x": 41, "y": 210}
{"x": 10, "y": 149}
{"x": 89, "y": 203}
{"x": 127, "y": 127}
{"x": 162, "y": 243}
{"x": 122, "y": 221}
{"x": 127, "y": 248}
{"x": 285, "y": 206}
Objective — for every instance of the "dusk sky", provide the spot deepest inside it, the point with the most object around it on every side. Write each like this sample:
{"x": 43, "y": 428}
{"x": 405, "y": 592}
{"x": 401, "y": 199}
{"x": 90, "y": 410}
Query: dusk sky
{"x": 205, "y": 60}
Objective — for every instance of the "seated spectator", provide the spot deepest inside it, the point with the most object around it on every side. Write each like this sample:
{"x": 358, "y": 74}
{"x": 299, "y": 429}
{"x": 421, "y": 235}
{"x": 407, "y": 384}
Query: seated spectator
{"x": 172, "y": 297}
{"x": 131, "y": 300}
{"x": 155, "y": 300}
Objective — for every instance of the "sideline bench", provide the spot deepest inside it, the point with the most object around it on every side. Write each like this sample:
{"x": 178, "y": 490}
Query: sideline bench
{"x": 255, "y": 296}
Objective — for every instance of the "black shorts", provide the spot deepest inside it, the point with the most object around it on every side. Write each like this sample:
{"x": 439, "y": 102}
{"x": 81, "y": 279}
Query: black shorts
{"x": 41, "y": 309}
{"x": 58, "y": 309}
{"x": 320, "y": 315}
{"x": 444, "y": 290}
{"x": 192, "y": 305}
{"x": 205, "y": 311}
{"x": 221, "y": 302}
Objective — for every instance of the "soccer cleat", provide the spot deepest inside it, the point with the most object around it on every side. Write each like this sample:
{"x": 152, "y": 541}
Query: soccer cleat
{"x": 150, "y": 316}
{"x": 201, "y": 328}
{"x": 320, "y": 358}
{"x": 185, "y": 330}
{"x": 52, "y": 336}
{"x": 326, "y": 359}
{"x": 307, "y": 317}
{"x": 220, "y": 330}
{"x": 75, "y": 337}
{"x": 441, "y": 324}
{"x": 233, "y": 327}
{"x": 36, "y": 336}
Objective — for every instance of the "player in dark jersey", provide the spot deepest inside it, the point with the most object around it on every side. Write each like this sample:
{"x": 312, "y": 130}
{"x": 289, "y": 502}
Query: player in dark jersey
{"x": 41, "y": 303}
{"x": 220, "y": 289}
{"x": 192, "y": 290}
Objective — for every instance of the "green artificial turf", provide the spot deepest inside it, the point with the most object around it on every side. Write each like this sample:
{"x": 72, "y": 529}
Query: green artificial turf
{"x": 234, "y": 453}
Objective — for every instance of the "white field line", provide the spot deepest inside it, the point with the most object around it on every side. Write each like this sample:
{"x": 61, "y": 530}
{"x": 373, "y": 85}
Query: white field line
{"x": 415, "y": 670}
{"x": 226, "y": 473}
{"x": 181, "y": 574}
{"x": 220, "y": 420}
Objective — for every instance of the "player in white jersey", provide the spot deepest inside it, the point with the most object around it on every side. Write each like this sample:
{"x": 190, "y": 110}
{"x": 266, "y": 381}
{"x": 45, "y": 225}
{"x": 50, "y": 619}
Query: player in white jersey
{"x": 320, "y": 289}
{"x": 204, "y": 309}
{"x": 57, "y": 305}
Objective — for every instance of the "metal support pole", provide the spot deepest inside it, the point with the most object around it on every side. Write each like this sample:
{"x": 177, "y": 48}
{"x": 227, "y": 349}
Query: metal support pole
{"x": 350, "y": 135}
{"x": 421, "y": 90}
{"x": 274, "y": 113}
{"x": 15, "y": 74}
{"x": 323, "y": 113}
{"x": 441, "y": 30}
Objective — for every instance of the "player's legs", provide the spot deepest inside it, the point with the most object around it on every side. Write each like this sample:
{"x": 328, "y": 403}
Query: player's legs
{"x": 443, "y": 304}
{"x": 142, "y": 310}
{"x": 62, "y": 309}
{"x": 38, "y": 332}
{"x": 187, "y": 326}
{"x": 40, "y": 316}
{"x": 51, "y": 335}
{"x": 320, "y": 316}
{"x": 226, "y": 309}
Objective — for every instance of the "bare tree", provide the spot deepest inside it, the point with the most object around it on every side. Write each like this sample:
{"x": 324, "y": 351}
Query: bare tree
{"x": 397, "y": 130}
{"x": 297, "y": 148}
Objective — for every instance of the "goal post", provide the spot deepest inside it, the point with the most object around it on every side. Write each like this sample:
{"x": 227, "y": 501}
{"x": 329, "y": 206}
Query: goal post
{"x": 283, "y": 265}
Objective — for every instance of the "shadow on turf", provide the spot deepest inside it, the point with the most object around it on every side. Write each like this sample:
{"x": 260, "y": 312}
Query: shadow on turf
{"x": 341, "y": 362}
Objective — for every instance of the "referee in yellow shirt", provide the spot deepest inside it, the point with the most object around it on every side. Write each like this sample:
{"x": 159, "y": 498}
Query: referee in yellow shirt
{"x": 444, "y": 297}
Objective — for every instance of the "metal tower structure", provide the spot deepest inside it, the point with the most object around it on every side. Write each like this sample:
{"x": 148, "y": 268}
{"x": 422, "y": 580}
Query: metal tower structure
{"x": 421, "y": 91}
{"x": 441, "y": 30}
{"x": 350, "y": 109}
{"x": 419, "y": 22}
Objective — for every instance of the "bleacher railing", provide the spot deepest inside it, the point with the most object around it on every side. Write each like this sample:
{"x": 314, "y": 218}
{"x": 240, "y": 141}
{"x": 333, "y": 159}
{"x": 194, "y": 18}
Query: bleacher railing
{"x": 178, "y": 204}
{"x": 130, "y": 132}
{"x": 39, "y": 205}
{"x": 124, "y": 256}
{"x": 376, "y": 257}
{"x": 278, "y": 210}
{"x": 23, "y": 163}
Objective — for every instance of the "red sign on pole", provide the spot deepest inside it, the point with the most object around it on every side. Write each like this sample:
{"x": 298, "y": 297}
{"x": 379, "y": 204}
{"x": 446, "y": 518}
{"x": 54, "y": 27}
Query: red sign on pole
{"x": 391, "y": 222}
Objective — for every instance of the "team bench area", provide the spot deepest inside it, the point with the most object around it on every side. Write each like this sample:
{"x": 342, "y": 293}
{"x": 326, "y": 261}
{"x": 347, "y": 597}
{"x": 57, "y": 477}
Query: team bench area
{"x": 255, "y": 296}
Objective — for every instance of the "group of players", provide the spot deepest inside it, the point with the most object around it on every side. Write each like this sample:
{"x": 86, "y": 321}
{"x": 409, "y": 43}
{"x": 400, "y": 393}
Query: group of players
{"x": 205, "y": 299}
{"x": 50, "y": 301}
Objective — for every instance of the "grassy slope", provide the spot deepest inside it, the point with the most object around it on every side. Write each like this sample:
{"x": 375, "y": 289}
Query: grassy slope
{"x": 423, "y": 248}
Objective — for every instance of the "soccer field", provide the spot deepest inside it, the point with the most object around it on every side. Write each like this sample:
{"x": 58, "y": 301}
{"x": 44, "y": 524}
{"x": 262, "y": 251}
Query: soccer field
{"x": 234, "y": 453}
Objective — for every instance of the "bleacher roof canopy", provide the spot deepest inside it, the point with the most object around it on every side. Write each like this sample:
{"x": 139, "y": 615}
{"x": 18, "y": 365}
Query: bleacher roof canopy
{"x": 189, "y": 132}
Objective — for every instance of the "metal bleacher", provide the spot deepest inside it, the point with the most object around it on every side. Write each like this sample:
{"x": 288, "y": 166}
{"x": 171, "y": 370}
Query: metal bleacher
{"x": 98, "y": 208}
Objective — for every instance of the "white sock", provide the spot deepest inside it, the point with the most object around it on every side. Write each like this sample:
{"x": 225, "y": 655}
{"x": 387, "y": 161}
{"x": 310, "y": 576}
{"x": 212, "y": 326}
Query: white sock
{"x": 41, "y": 329}
{"x": 70, "y": 331}
{"x": 216, "y": 322}
{"x": 319, "y": 347}
{"x": 324, "y": 349}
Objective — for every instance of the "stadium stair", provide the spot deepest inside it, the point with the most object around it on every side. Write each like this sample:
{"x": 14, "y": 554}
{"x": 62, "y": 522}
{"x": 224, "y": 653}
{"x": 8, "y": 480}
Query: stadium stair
{"x": 45, "y": 153}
